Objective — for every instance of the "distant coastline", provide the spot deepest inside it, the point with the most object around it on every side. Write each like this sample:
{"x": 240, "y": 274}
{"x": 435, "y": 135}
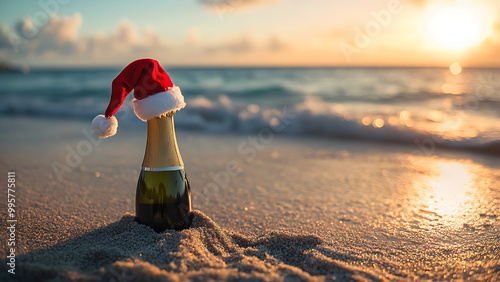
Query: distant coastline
{"x": 7, "y": 68}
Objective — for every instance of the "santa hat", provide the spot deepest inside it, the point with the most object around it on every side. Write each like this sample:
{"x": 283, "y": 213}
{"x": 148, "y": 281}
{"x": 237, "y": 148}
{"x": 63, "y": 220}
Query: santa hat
{"x": 155, "y": 95}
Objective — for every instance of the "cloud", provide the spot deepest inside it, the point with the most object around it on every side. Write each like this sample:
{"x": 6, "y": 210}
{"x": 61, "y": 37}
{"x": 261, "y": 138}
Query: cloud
{"x": 124, "y": 39}
{"x": 420, "y": 2}
{"x": 56, "y": 34}
{"x": 276, "y": 44}
{"x": 4, "y": 38}
{"x": 60, "y": 36}
{"x": 486, "y": 54}
{"x": 194, "y": 36}
{"x": 496, "y": 28}
{"x": 242, "y": 45}
{"x": 234, "y": 5}
{"x": 26, "y": 29}
{"x": 246, "y": 44}
{"x": 59, "y": 42}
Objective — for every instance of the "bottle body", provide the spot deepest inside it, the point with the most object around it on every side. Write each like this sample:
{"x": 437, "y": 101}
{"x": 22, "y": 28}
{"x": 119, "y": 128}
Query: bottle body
{"x": 163, "y": 199}
{"x": 163, "y": 196}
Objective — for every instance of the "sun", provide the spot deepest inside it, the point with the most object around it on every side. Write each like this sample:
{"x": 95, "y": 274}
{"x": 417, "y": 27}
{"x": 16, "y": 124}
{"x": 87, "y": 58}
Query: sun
{"x": 457, "y": 26}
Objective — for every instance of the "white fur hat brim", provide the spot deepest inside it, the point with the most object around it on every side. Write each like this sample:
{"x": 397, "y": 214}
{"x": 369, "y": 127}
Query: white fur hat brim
{"x": 159, "y": 104}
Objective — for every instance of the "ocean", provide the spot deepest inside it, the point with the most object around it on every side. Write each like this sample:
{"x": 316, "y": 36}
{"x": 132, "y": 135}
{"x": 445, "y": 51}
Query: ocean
{"x": 392, "y": 105}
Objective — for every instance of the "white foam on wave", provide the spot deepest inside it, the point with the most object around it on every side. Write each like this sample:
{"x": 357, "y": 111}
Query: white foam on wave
{"x": 311, "y": 117}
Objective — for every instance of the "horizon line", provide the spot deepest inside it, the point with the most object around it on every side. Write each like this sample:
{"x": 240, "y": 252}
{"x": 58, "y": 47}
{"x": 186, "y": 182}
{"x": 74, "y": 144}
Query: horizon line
{"x": 181, "y": 66}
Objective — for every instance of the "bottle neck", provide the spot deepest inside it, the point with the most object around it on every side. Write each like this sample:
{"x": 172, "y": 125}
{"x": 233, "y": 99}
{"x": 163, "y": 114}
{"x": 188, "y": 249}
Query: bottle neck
{"x": 161, "y": 146}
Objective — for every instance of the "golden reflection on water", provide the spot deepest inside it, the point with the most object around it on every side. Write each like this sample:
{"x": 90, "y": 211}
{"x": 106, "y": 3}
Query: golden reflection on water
{"x": 449, "y": 190}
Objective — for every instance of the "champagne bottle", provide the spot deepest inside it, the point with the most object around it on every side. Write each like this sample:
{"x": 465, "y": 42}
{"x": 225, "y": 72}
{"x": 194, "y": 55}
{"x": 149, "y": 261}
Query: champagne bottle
{"x": 163, "y": 197}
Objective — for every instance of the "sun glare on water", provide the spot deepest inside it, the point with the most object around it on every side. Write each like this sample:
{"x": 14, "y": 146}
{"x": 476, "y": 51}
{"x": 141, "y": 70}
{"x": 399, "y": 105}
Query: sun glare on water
{"x": 457, "y": 26}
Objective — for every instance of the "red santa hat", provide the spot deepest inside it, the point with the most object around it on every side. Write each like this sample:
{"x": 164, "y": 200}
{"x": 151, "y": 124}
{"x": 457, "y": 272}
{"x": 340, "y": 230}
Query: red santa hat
{"x": 155, "y": 95}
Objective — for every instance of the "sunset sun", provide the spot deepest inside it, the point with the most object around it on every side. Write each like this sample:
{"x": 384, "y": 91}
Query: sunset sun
{"x": 457, "y": 26}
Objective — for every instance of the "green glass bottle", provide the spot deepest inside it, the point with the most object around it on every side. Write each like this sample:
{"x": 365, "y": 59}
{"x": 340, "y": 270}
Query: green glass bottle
{"x": 163, "y": 197}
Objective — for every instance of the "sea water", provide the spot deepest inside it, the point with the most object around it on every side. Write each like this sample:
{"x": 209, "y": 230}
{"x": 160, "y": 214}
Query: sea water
{"x": 404, "y": 105}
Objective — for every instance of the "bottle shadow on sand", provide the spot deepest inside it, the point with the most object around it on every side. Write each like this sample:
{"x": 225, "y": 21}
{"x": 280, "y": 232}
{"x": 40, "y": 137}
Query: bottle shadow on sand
{"x": 128, "y": 251}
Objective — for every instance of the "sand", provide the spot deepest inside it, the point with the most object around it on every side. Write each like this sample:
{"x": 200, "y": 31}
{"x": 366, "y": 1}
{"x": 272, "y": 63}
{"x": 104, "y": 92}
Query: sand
{"x": 128, "y": 251}
{"x": 298, "y": 209}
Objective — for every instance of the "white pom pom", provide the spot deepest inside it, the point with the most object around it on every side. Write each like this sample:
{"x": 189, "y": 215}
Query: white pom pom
{"x": 104, "y": 127}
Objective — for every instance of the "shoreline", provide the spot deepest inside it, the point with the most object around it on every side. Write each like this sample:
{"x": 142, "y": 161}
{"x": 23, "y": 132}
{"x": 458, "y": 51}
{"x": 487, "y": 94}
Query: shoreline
{"x": 425, "y": 147}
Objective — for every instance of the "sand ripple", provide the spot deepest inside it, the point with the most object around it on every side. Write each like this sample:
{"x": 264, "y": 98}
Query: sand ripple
{"x": 128, "y": 251}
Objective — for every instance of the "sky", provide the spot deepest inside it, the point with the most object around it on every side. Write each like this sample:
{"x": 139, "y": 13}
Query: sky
{"x": 251, "y": 32}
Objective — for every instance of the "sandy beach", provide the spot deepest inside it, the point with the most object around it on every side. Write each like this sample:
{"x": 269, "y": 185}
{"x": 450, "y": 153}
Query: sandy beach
{"x": 294, "y": 209}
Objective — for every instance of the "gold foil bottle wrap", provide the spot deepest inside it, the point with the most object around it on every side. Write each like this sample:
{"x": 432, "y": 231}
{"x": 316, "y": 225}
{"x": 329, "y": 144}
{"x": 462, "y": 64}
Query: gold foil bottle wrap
{"x": 162, "y": 150}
